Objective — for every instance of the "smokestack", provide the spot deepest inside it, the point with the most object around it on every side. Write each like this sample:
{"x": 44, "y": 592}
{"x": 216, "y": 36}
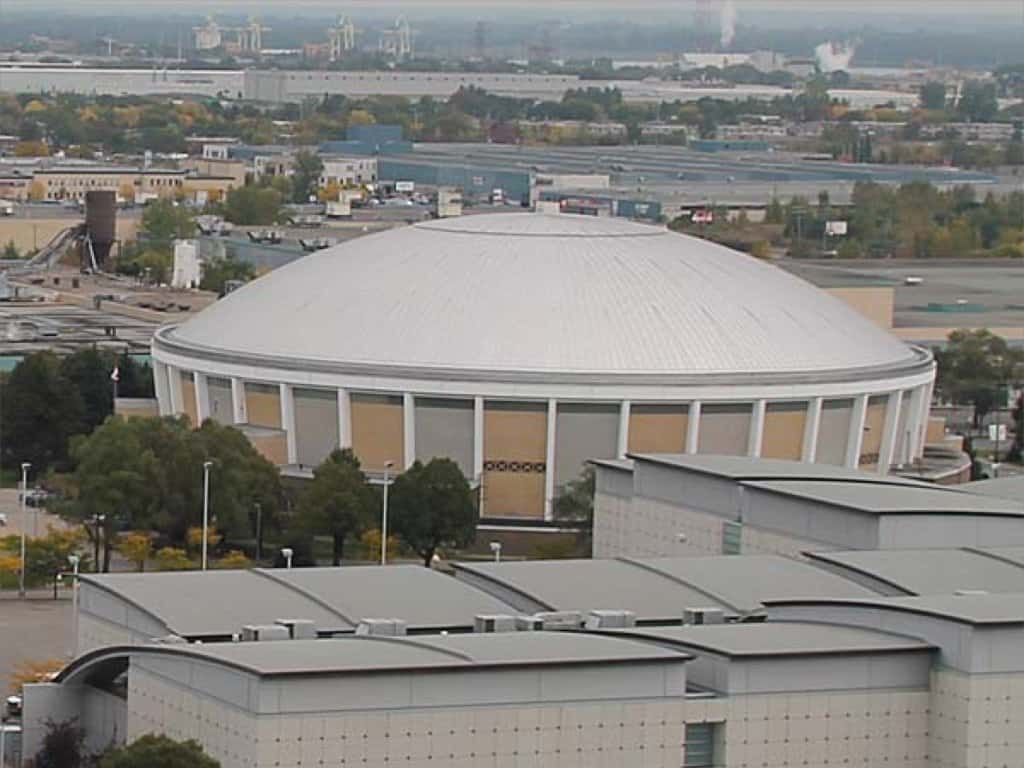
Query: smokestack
{"x": 728, "y": 23}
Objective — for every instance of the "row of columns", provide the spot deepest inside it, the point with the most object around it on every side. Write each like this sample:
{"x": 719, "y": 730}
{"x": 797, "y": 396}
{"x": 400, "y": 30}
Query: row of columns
{"x": 917, "y": 402}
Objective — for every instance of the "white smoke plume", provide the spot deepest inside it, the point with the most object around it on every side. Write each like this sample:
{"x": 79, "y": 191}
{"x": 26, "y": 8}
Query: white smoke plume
{"x": 728, "y": 23}
{"x": 832, "y": 57}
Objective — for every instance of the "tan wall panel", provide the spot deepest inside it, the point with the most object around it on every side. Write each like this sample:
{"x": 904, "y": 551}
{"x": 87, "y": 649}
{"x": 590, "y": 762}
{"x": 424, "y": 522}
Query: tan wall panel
{"x": 657, "y": 429}
{"x": 137, "y": 408}
{"x": 263, "y": 406}
{"x": 188, "y": 398}
{"x": 936, "y": 430}
{"x": 874, "y": 426}
{"x": 274, "y": 448}
{"x": 377, "y": 432}
{"x": 783, "y": 436}
{"x": 514, "y": 494}
{"x": 876, "y": 303}
{"x": 514, "y": 434}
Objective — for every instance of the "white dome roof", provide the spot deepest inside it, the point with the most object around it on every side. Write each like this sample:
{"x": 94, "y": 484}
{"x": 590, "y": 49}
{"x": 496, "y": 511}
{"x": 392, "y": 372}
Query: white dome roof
{"x": 503, "y": 294}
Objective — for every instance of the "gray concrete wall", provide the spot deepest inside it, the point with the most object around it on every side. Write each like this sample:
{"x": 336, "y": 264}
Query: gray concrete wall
{"x": 584, "y": 431}
{"x": 316, "y": 424}
{"x": 444, "y": 428}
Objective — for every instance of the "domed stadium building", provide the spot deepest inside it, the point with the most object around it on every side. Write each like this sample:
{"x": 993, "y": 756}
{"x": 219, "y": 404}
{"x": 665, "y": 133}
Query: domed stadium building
{"x": 522, "y": 345}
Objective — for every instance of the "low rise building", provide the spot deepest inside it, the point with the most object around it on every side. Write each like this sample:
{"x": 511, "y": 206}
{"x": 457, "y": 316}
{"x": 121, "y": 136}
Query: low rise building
{"x": 348, "y": 171}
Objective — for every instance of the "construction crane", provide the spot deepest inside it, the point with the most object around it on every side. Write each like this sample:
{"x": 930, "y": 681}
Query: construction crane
{"x": 342, "y": 38}
{"x": 397, "y": 41}
{"x": 250, "y": 37}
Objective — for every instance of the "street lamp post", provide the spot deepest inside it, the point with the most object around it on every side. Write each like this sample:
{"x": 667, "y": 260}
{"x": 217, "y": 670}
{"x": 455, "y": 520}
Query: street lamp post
{"x": 287, "y": 553}
{"x": 206, "y": 507}
{"x": 74, "y": 560}
{"x": 25, "y": 466}
{"x": 384, "y": 516}
{"x": 259, "y": 531}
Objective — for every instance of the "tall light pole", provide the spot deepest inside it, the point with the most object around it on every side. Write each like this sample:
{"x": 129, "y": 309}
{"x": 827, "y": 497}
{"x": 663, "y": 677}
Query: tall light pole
{"x": 74, "y": 560}
{"x": 384, "y": 517}
{"x": 259, "y": 531}
{"x": 25, "y": 466}
{"x": 206, "y": 507}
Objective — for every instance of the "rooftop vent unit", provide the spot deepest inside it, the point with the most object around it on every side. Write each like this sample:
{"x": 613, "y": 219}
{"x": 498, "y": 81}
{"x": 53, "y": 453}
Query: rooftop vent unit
{"x": 698, "y": 616}
{"x": 381, "y": 628}
{"x": 529, "y": 624}
{"x": 261, "y": 633}
{"x": 560, "y": 620}
{"x": 494, "y": 623}
{"x": 170, "y": 640}
{"x": 610, "y": 620}
{"x": 298, "y": 629}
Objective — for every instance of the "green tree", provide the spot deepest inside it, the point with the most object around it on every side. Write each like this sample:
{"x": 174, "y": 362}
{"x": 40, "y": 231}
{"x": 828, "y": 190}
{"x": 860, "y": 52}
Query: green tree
{"x": 253, "y": 204}
{"x": 974, "y": 368}
{"x": 432, "y": 506}
{"x": 41, "y": 410}
{"x": 172, "y": 559}
{"x": 88, "y": 371}
{"x": 338, "y": 503}
{"x": 306, "y": 173}
{"x": 151, "y": 751}
{"x": 933, "y": 95}
{"x": 164, "y": 221}
{"x": 63, "y": 745}
{"x": 147, "y": 474}
{"x": 11, "y": 251}
{"x": 574, "y": 506}
{"x": 216, "y": 272}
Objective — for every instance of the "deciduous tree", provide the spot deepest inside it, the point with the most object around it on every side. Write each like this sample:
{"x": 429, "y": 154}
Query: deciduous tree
{"x": 151, "y": 751}
{"x": 432, "y": 506}
{"x": 338, "y": 503}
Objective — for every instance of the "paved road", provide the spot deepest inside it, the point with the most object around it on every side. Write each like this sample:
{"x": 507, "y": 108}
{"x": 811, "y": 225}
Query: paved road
{"x": 37, "y": 519}
{"x": 36, "y": 629}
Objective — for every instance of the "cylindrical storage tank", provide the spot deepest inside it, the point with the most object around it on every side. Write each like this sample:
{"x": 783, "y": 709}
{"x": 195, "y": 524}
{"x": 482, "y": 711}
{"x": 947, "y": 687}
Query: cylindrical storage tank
{"x": 101, "y": 222}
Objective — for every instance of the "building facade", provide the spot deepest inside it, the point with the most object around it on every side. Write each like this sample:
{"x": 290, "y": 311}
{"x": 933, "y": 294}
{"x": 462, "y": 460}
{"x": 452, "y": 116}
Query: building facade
{"x": 522, "y": 346}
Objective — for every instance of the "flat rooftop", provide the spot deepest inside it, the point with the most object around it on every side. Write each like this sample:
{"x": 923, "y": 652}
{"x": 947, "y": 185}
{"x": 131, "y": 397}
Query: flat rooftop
{"x": 929, "y": 571}
{"x": 890, "y": 499}
{"x": 658, "y": 589}
{"x": 220, "y": 603}
{"x": 774, "y": 639}
{"x": 362, "y": 655}
{"x": 974, "y": 610}
{"x": 746, "y": 468}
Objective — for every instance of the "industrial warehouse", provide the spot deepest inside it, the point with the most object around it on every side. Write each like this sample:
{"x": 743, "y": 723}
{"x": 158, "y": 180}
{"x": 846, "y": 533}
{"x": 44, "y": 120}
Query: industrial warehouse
{"x": 502, "y": 342}
{"x": 858, "y": 657}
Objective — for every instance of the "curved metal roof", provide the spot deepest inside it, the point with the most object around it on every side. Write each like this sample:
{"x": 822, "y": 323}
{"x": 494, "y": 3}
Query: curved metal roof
{"x": 507, "y": 294}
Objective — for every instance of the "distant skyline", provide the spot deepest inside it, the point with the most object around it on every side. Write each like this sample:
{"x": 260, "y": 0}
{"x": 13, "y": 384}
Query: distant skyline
{"x": 809, "y": 8}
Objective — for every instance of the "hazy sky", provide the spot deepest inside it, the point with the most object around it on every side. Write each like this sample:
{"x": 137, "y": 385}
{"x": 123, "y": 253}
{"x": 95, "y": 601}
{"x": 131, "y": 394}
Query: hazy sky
{"x": 810, "y": 8}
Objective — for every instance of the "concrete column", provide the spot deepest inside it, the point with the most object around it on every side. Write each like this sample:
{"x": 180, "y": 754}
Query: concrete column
{"x": 811, "y": 427}
{"x": 202, "y": 398}
{"x": 926, "y": 410}
{"x": 914, "y": 427}
{"x": 624, "y": 411}
{"x": 409, "y": 428}
{"x": 478, "y": 437}
{"x": 287, "y": 397}
{"x": 238, "y": 412}
{"x": 887, "y": 454}
{"x": 174, "y": 386}
{"x": 549, "y": 461}
{"x": 856, "y": 437}
{"x": 344, "y": 419}
{"x": 693, "y": 427}
{"x": 756, "y": 428}
{"x": 163, "y": 392}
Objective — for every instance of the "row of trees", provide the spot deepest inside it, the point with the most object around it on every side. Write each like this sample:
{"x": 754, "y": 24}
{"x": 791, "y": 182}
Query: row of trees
{"x": 47, "y": 400}
{"x": 915, "y": 220}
